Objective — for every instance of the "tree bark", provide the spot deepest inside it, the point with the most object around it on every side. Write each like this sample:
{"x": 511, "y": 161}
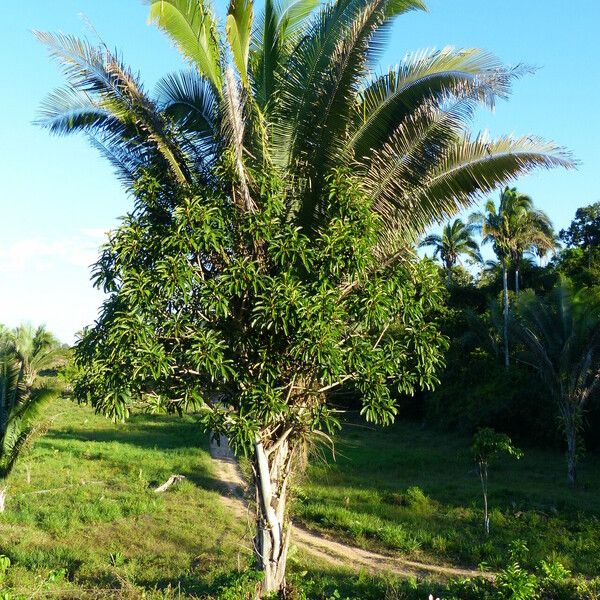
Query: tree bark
{"x": 2, "y": 499}
{"x": 272, "y": 469}
{"x": 505, "y": 313}
{"x": 516, "y": 280}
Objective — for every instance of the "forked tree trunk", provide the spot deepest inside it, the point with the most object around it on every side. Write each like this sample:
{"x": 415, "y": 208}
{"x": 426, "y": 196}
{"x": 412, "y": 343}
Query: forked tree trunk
{"x": 2, "y": 499}
{"x": 505, "y": 313}
{"x": 272, "y": 473}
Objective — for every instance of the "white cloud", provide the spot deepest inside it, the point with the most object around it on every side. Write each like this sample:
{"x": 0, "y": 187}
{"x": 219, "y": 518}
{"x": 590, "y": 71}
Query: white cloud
{"x": 45, "y": 280}
{"x": 38, "y": 253}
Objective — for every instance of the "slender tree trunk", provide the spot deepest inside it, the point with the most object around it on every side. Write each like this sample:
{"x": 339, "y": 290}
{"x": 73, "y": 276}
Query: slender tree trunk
{"x": 484, "y": 477}
{"x": 3, "y": 491}
{"x": 505, "y": 313}
{"x": 272, "y": 473}
{"x": 516, "y": 280}
{"x": 571, "y": 432}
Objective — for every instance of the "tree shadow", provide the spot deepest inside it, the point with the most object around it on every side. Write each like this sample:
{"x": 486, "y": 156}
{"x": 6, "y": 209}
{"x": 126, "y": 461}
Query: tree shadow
{"x": 152, "y": 433}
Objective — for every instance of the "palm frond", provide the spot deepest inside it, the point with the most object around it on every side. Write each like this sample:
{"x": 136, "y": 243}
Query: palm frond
{"x": 277, "y": 31}
{"x": 238, "y": 29}
{"x": 321, "y": 82}
{"x": 132, "y": 117}
{"x": 467, "y": 170}
{"x": 192, "y": 26}
{"x": 422, "y": 78}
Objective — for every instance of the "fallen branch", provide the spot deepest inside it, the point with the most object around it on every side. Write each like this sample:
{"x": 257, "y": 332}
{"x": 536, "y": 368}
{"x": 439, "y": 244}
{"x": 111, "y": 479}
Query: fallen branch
{"x": 167, "y": 484}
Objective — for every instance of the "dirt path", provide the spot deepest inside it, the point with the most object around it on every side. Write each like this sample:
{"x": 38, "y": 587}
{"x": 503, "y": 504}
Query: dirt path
{"x": 336, "y": 553}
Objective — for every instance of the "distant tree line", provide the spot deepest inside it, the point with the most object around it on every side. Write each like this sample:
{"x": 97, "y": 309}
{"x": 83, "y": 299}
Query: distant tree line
{"x": 546, "y": 323}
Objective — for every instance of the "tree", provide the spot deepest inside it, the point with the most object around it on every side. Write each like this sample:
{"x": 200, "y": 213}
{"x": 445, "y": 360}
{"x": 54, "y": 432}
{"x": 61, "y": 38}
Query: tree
{"x": 514, "y": 227}
{"x": 487, "y": 446}
{"x": 561, "y": 339}
{"x": 278, "y": 189}
{"x": 456, "y": 240}
{"x": 20, "y": 404}
{"x": 35, "y": 349}
{"x": 584, "y": 230}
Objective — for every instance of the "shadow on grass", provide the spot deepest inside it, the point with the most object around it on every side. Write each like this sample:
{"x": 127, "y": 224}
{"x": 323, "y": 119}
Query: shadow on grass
{"x": 152, "y": 433}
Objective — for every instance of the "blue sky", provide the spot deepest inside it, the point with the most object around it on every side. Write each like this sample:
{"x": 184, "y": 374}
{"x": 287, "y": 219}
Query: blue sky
{"x": 58, "y": 196}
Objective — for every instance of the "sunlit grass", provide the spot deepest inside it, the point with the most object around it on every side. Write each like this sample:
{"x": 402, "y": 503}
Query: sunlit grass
{"x": 414, "y": 491}
{"x": 83, "y": 502}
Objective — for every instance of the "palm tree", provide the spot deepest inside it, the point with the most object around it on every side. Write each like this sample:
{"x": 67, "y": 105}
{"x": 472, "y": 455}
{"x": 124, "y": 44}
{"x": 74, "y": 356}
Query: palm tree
{"x": 19, "y": 410}
{"x": 36, "y": 349}
{"x": 293, "y": 92}
{"x": 561, "y": 339}
{"x": 455, "y": 241}
{"x": 532, "y": 233}
{"x": 514, "y": 227}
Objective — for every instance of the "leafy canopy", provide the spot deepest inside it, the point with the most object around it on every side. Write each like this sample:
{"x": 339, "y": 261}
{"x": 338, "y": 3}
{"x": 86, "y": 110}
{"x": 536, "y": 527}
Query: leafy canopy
{"x": 255, "y": 342}
{"x": 488, "y": 445}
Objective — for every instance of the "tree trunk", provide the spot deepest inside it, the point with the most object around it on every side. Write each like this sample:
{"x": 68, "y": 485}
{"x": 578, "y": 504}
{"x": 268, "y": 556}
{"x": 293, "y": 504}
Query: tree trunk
{"x": 505, "y": 313}
{"x": 516, "y": 280}
{"x": 483, "y": 476}
{"x": 2, "y": 499}
{"x": 271, "y": 474}
{"x": 571, "y": 432}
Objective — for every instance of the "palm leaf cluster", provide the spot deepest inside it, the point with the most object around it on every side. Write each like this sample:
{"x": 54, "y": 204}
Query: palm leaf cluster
{"x": 515, "y": 227}
{"x": 456, "y": 240}
{"x": 24, "y": 352}
{"x": 292, "y": 88}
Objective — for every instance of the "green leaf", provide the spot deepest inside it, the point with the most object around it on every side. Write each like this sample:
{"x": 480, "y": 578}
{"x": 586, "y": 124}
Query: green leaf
{"x": 238, "y": 29}
{"x": 192, "y": 27}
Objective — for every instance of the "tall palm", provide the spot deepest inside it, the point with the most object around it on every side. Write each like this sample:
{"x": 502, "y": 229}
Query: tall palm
{"x": 514, "y": 227}
{"x": 561, "y": 339}
{"x": 455, "y": 241}
{"x": 293, "y": 92}
{"x": 533, "y": 233}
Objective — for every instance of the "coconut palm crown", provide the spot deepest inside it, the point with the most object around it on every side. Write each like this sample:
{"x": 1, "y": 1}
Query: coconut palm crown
{"x": 455, "y": 241}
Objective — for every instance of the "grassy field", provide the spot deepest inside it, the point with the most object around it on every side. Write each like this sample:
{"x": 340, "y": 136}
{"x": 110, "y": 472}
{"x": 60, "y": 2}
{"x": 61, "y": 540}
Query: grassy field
{"x": 414, "y": 491}
{"x": 83, "y": 521}
{"x": 82, "y": 512}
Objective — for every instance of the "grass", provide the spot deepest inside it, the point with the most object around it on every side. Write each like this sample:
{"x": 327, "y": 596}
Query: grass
{"x": 413, "y": 491}
{"x": 82, "y": 514}
{"x": 83, "y": 521}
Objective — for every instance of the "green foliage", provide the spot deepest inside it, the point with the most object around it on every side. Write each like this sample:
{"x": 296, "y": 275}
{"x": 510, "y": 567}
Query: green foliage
{"x": 560, "y": 335}
{"x": 515, "y": 583}
{"x": 248, "y": 342}
{"x": 584, "y": 230}
{"x": 4, "y": 566}
{"x": 488, "y": 445}
{"x": 239, "y": 586}
{"x": 25, "y": 352}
